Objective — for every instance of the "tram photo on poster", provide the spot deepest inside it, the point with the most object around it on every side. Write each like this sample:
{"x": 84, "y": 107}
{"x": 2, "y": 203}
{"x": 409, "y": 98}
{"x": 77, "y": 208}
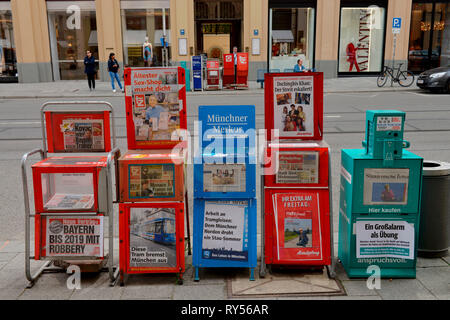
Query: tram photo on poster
{"x": 152, "y": 237}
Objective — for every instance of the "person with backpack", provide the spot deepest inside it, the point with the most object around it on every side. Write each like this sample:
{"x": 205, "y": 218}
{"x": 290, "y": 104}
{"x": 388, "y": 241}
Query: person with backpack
{"x": 113, "y": 69}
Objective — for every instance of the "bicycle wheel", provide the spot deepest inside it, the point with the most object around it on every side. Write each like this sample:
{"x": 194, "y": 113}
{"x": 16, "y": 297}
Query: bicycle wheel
{"x": 406, "y": 78}
{"x": 382, "y": 78}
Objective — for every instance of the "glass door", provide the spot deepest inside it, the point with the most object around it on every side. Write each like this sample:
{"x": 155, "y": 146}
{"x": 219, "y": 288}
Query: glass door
{"x": 429, "y": 36}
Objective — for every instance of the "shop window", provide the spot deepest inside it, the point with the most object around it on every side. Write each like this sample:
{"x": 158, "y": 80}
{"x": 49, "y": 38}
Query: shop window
{"x": 361, "y": 39}
{"x": 8, "y": 62}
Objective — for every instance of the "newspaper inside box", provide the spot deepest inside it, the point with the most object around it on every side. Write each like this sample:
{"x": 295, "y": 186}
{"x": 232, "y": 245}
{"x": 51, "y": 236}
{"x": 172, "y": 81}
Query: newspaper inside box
{"x": 150, "y": 175}
{"x": 70, "y": 184}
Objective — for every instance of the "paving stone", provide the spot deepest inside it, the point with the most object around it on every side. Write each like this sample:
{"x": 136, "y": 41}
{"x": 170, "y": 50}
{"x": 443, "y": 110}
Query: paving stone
{"x": 404, "y": 289}
{"x": 148, "y": 291}
{"x": 437, "y": 280}
{"x": 357, "y": 288}
{"x": 355, "y": 298}
{"x": 51, "y": 286}
{"x": 427, "y": 262}
{"x": 12, "y": 279}
{"x": 10, "y": 294}
{"x": 98, "y": 293}
{"x": 447, "y": 259}
{"x": 7, "y": 256}
{"x": 200, "y": 292}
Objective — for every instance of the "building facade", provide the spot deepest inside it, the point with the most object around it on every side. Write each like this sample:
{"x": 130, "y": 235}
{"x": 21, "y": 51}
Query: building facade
{"x": 47, "y": 40}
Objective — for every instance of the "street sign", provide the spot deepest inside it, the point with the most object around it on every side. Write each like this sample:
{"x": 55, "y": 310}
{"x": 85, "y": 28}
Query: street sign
{"x": 396, "y": 25}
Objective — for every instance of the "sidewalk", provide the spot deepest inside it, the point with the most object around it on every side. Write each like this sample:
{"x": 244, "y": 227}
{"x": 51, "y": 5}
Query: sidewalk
{"x": 79, "y": 88}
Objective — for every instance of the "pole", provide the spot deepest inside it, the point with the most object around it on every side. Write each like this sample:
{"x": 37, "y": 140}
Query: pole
{"x": 393, "y": 57}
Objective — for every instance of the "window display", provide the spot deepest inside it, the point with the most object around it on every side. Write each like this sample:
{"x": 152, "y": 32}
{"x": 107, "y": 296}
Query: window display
{"x": 292, "y": 38}
{"x": 8, "y": 62}
{"x": 361, "y": 46}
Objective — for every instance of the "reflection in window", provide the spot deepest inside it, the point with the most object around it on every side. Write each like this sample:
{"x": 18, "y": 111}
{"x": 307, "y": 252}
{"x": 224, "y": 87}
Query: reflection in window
{"x": 139, "y": 24}
{"x": 361, "y": 39}
{"x": 292, "y": 37}
{"x": 8, "y": 63}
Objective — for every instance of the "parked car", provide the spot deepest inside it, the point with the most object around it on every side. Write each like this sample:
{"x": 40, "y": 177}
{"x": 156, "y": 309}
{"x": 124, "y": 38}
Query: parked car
{"x": 435, "y": 79}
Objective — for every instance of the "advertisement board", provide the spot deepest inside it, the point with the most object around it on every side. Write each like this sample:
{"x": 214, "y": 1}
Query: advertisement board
{"x": 78, "y": 131}
{"x": 155, "y": 107}
{"x": 71, "y": 236}
{"x": 294, "y": 105}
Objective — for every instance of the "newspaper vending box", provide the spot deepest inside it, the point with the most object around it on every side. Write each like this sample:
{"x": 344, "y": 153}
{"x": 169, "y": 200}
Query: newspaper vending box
{"x": 212, "y": 74}
{"x": 152, "y": 238}
{"x": 228, "y": 78}
{"x": 380, "y": 201}
{"x": 72, "y": 193}
{"x": 242, "y": 70}
{"x": 297, "y": 215}
{"x": 151, "y": 193}
{"x": 224, "y": 189}
{"x": 155, "y": 100}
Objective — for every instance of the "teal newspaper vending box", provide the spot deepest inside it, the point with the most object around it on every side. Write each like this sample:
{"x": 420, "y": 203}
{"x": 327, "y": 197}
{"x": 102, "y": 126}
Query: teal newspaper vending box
{"x": 380, "y": 195}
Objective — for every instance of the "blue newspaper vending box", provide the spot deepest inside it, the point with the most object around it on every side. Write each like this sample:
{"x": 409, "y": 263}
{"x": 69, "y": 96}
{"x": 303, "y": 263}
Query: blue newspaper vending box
{"x": 197, "y": 73}
{"x": 380, "y": 201}
{"x": 225, "y": 189}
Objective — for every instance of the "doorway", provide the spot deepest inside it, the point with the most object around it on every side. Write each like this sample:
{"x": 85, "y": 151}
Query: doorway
{"x": 218, "y": 25}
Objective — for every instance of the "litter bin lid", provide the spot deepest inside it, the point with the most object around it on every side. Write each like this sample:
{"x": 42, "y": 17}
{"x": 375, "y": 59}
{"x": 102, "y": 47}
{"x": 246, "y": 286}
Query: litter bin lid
{"x": 436, "y": 168}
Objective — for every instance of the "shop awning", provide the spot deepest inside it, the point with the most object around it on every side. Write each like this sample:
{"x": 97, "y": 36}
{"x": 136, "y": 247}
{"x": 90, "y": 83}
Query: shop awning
{"x": 282, "y": 36}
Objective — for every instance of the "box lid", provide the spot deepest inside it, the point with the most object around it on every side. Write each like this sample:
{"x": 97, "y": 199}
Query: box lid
{"x": 81, "y": 161}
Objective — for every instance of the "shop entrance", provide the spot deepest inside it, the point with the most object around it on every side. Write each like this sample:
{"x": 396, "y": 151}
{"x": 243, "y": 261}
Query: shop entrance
{"x": 218, "y": 26}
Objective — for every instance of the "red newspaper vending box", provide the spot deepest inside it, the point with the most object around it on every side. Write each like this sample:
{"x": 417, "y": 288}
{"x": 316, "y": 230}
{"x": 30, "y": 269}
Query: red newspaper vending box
{"x": 70, "y": 184}
{"x": 294, "y": 105}
{"x": 242, "y": 70}
{"x": 81, "y": 131}
{"x": 155, "y": 100}
{"x": 69, "y": 194}
{"x": 297, "y": 204}
{"x": 212, "y": 74}
{"x": 151, "y": 238}
{"x": 228, "y": 70}
{"x": 151, "y": 175}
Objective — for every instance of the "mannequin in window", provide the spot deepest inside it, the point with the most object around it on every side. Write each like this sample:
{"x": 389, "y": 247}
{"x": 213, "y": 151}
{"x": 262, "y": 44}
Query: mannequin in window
{"x": 147, "y": 52}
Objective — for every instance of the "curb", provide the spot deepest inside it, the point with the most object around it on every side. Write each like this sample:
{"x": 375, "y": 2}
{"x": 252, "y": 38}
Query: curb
{"x": 206, "y": 93}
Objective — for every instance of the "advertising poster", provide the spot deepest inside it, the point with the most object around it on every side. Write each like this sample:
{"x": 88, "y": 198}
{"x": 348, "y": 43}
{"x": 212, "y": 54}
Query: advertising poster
{"x": 297, "y": 223}
{"x": 156, "y": 104}
{"x": 83, "y": 134}
{"x": 74, "y": 236}
{"x": 152, "y": 237}
{"x": 377, "y": 239}
{"x": 224, "y": 178}
{"x": 294, "y": 106}
{"x": 298, "y": 167}
{"x": 386, "y": 186}
{"x": 151, "y": 181}
{"x": 225, "y": 231}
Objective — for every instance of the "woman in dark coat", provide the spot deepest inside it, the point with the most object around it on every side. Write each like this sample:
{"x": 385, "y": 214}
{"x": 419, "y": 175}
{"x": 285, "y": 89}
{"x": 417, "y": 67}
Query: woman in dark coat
{"x": 90, "y": 69}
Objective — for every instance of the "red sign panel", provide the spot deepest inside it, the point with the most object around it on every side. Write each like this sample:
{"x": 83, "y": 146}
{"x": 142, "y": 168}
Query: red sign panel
{"x": 78, "y": 131}
{"x": 294, "y": 105}
{"x": 151, "y": 237}
{"x": 155, "y": 101}
{"x": 297, "y": 227}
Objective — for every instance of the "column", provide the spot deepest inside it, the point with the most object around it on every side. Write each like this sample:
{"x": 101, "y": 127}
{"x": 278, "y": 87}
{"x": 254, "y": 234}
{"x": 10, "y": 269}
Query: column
{"x": 32, "y": 40}
{"x": 327, "y": 37}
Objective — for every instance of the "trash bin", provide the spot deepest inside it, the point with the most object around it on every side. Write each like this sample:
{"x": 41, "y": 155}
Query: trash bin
{"x": 434, "y": 227}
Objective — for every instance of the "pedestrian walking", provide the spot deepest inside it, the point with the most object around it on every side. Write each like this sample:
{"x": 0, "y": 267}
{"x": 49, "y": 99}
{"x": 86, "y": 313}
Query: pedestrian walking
{"x": 113, "y": 68}
{"x": 90, "y": 69}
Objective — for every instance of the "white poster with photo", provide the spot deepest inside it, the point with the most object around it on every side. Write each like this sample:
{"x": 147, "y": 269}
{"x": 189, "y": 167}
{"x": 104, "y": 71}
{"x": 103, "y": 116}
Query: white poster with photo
{"x": 385, "y": 186}
{"x": 378, "y": 239}
{"x": 294, "y": 106}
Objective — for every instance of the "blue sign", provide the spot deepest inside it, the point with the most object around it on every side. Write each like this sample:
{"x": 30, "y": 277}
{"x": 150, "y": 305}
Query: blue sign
{"x": 396, "y": 23}
{"x": 255, "y": 32}
{"x": 197, "y": 73}
{"x": 182, "y": 32}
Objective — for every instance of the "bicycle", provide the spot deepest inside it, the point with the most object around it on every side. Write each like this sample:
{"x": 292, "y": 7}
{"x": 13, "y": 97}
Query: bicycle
{"x": 404, "y": 78}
